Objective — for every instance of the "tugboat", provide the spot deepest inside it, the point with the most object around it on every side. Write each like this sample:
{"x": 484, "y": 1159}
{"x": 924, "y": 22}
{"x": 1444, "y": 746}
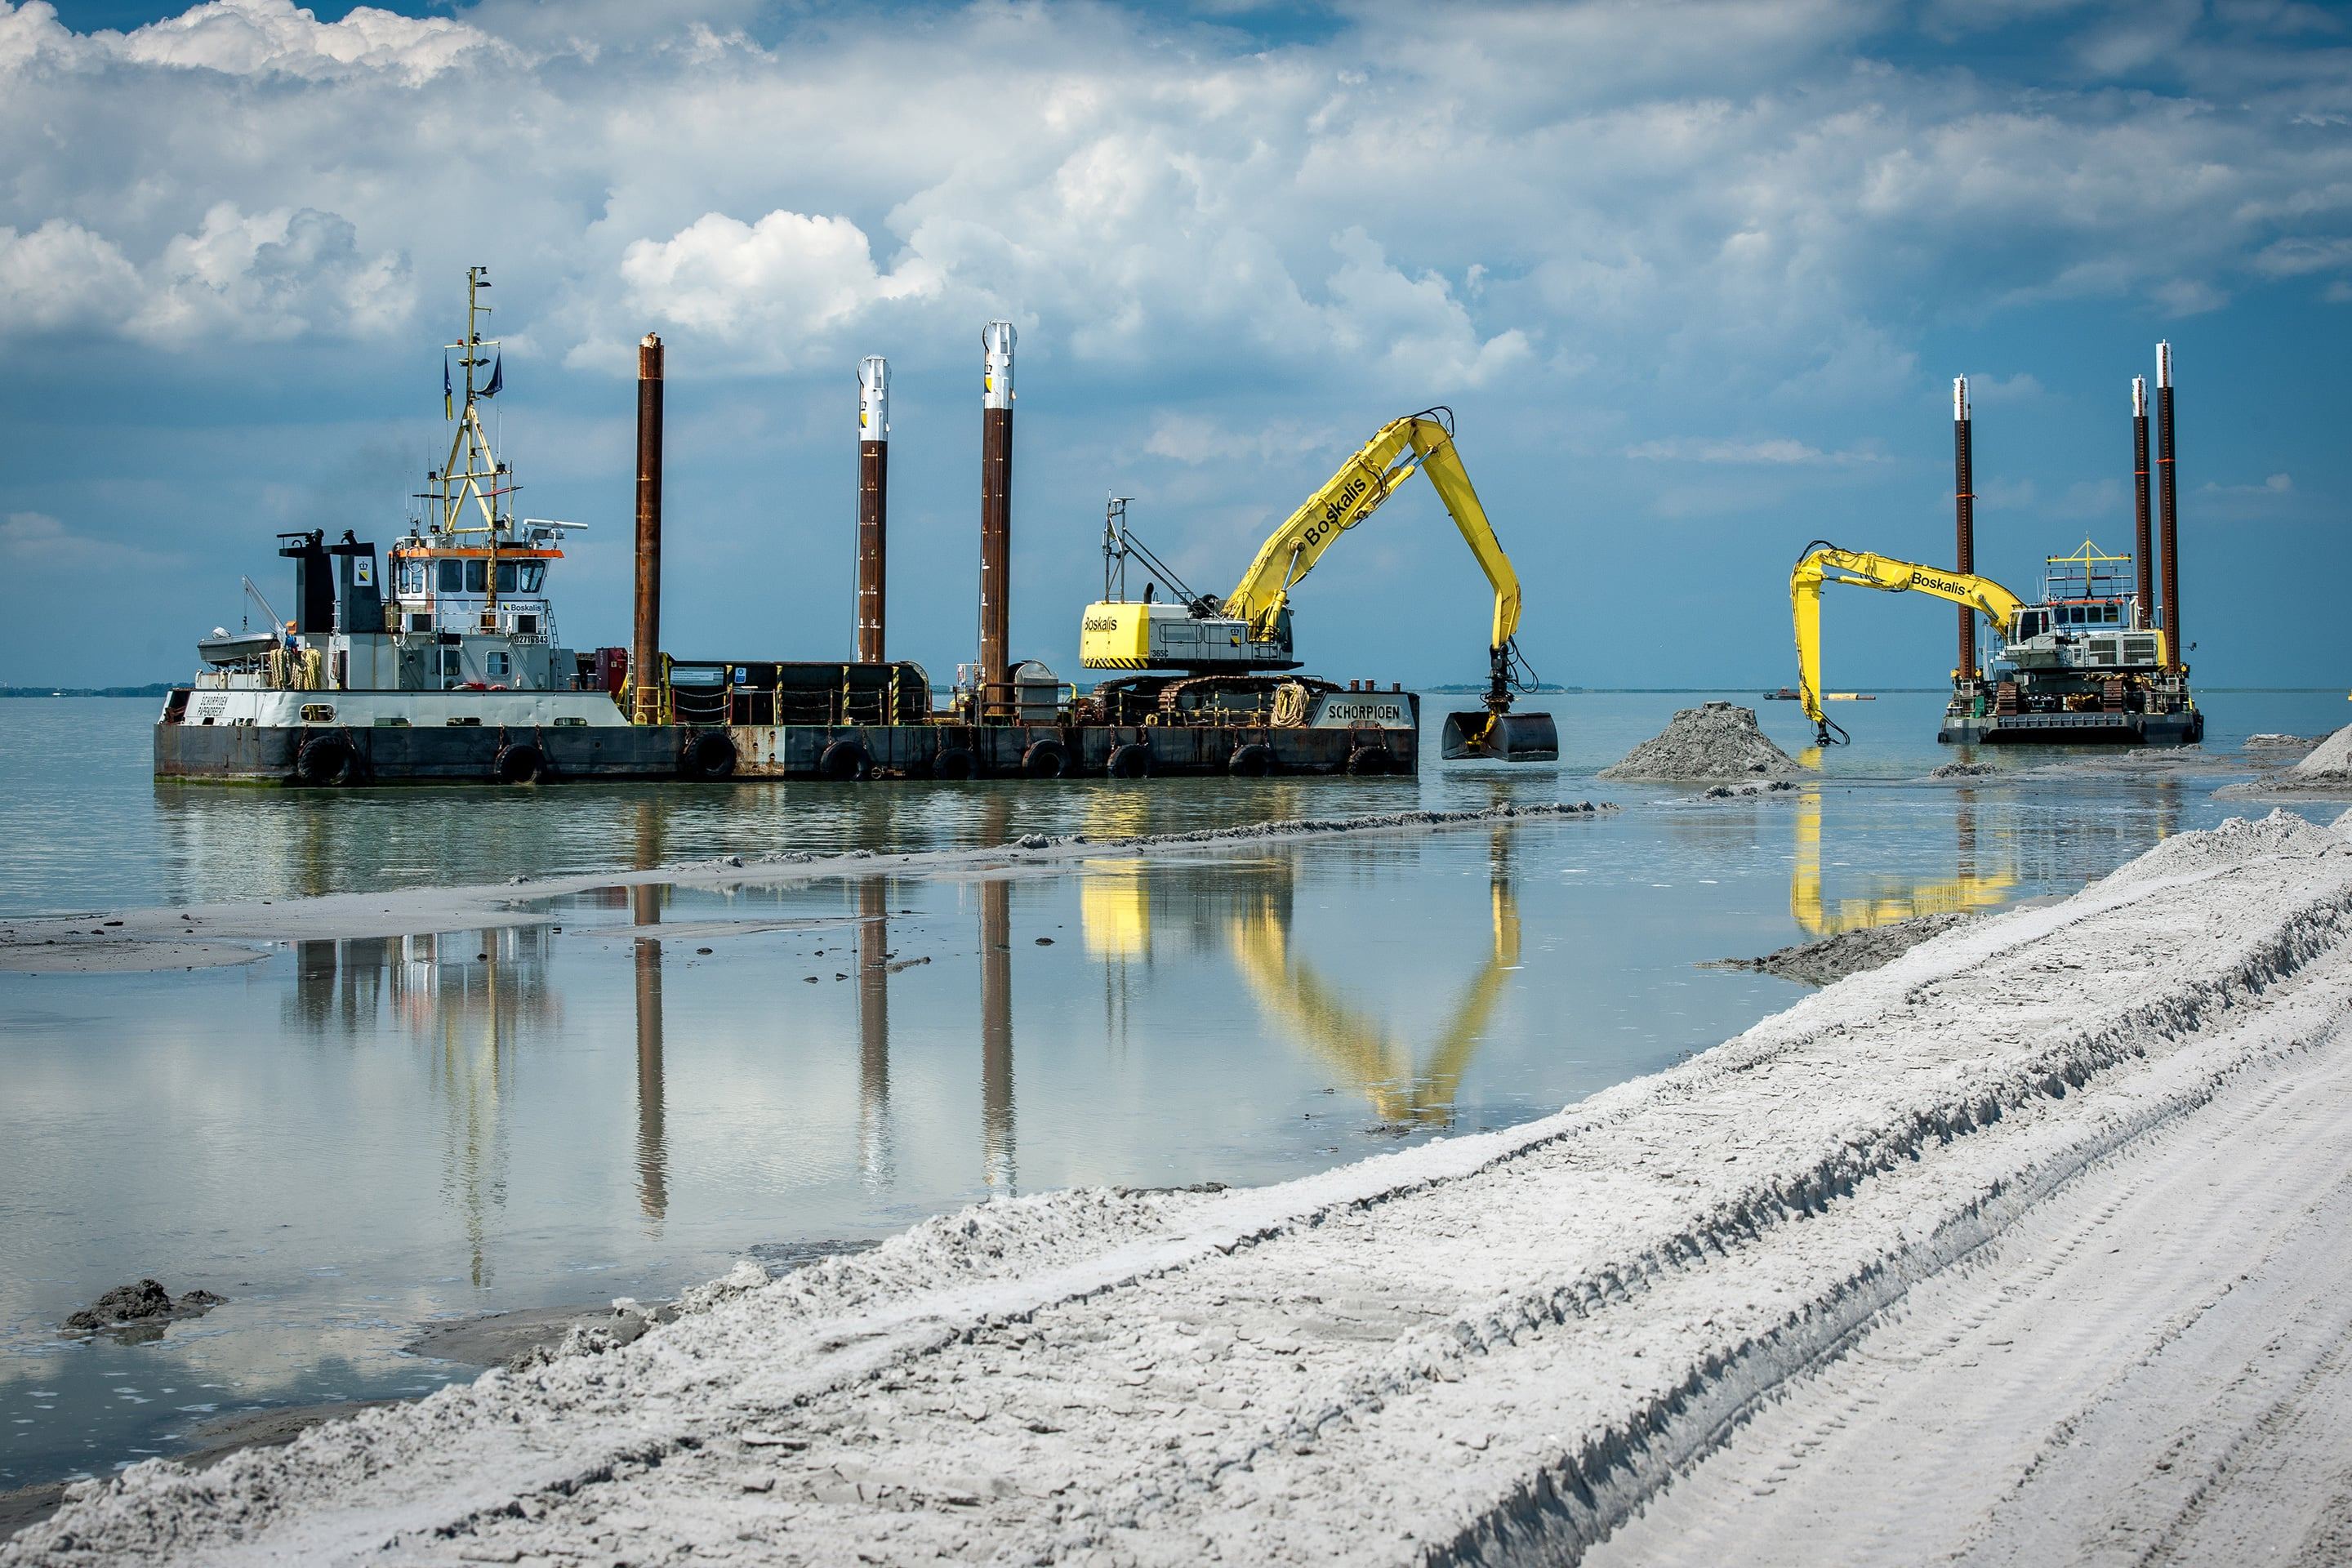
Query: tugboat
{"x": 448, "y": 665}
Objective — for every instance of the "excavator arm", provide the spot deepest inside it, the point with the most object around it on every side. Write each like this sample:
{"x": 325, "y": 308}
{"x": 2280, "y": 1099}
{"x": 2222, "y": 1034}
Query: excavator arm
{"x": 1423, "y": 442}
{"x": 1825, "y": 563}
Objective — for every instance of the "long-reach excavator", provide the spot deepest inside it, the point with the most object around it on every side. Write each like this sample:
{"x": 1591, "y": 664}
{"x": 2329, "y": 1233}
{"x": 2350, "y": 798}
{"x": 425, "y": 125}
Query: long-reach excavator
{"x": 2081, "y": 661}
{"x": 1205, "y": 650}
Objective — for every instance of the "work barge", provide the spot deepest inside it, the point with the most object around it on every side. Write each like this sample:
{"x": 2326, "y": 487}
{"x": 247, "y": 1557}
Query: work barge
{"x": 444, "y": 664}
{"x": 2097, "y": 660}
{"x": 2100, "y": 658}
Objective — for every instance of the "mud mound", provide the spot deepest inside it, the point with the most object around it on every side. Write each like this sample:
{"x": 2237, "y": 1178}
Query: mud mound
{"x": 1735, "y": 791}
{"x": 1851, "y": 952}
{"x": 1965, "y": 770}
{"x": 145, "y": 1301}
{"x": 2279, "y": 743}
{"x": 1713, "y": 740}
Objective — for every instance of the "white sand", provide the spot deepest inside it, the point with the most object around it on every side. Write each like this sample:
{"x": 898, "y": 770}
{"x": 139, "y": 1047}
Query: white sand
{"x": 2331, "y": 756}
{"x": 2025, "y": 1247}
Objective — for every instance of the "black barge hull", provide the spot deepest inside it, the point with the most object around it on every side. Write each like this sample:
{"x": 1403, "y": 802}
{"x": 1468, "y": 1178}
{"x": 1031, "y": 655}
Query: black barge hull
{"x": 326, "y": 754}
{"x": 2185, "y": 729}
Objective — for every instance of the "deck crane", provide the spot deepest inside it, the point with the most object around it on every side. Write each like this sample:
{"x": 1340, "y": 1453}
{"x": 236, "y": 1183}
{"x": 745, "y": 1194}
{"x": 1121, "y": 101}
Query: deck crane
{"x": 1242, "y": 639}
{"x": 2079, "y": 659}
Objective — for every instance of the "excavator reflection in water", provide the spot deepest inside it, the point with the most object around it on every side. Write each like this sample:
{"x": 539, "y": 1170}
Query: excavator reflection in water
{"x": 1997, "y": 853}
{"x": 1250, "y": 914}
{"x": 1967, "y": 889}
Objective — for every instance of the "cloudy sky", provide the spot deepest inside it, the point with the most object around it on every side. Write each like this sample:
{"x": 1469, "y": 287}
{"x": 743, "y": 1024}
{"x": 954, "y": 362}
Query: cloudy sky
{"x": 1694, "y": 277}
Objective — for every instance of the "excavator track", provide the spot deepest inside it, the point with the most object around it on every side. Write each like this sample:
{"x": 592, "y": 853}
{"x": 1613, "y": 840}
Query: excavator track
{"x": 1173, "y": 695}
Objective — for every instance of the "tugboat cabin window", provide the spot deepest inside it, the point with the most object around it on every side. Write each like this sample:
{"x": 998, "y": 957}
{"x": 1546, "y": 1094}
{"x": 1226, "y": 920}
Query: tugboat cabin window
{"x": 453, "y": 576}
{"x": 411, "y": 576}
{"x": 496, "y": 664}
{"x": 478, "y": 576}
{"x": 521, "y": 576}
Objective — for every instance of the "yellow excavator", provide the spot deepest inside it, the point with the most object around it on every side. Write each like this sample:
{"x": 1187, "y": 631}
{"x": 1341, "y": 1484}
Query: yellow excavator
{"x": 2080, "y": 658}
{"x": 1243, "y": 639}
{"x": 1825, "y": 563}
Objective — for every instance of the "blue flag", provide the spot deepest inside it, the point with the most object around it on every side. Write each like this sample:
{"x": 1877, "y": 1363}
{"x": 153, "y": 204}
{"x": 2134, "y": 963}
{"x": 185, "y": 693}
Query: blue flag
{"x": 497, "y": 377}
{"x": 448, "y": 402}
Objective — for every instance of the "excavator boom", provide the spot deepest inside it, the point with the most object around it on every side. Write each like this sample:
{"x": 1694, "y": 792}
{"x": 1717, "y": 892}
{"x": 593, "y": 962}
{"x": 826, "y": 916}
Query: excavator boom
{"x": 1420, "y": 441}
{"x": 1250, "y": 627}
{"x": 1423, "y": 441}
{"x": 1826, "y": 563}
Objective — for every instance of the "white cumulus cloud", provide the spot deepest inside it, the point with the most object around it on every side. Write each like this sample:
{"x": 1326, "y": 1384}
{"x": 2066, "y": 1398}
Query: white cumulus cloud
{"x": 790, "y": 279}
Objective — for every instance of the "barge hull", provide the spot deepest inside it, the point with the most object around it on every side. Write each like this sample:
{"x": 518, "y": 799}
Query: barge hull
{"x": 471, "y": 755}
{"x": 2074, "y": 730}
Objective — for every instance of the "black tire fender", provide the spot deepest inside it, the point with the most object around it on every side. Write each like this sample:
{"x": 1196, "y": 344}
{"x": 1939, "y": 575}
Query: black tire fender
{"x": 1044, "y": 760}
{"x": 326, "y": 762}
{"x": 1132, "y": 761}
{"x": 1371, "y": 762}
{"x": 955, "y": 762}
{"x": 519, "y": 764}
{"x": 844, "y": 761}
{"x": 709, "y": 754}
{"x": 1253, "y": 761}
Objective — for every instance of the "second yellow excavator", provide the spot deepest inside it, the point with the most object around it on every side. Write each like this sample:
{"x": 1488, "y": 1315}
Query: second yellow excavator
{"x": 1207, "y": 647}
{"x": 2078, "y": 665}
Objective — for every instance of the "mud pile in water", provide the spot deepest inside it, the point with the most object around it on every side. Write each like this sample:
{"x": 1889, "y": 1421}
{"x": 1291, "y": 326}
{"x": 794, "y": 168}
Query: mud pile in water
{"x": 143, "y": 1302}
{"x": 1713, "y": 740}
{"x": 1850, "y": 953}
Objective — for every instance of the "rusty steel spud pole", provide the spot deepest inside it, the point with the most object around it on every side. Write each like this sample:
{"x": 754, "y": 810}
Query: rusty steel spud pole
{"x": 1964, "y": 520}
{"x": 2167, "y": 510}
{"x": 645, "y": 647}
{"x": 2142, "y": 545}
{"x": 874, "y": 1030}
{"x": 997, "y": 1165}
{"x": 996, "y": 521}
{"x": 873, "y": 504}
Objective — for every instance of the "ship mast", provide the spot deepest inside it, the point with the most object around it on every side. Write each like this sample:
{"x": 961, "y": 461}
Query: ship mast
{"x": 472, "y": 477}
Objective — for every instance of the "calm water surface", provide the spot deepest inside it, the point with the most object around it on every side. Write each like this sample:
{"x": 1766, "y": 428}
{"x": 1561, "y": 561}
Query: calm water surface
{"x": 350, "y": 1139}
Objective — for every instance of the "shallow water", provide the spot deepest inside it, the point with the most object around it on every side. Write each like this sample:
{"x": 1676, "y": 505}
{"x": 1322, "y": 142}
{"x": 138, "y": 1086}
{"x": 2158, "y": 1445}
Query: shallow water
{"x": 349, "y": 1139}
{"x": 84, "y": 827}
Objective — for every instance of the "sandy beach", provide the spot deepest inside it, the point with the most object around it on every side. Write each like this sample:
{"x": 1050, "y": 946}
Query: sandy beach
{"x": 2024, "y": 1247}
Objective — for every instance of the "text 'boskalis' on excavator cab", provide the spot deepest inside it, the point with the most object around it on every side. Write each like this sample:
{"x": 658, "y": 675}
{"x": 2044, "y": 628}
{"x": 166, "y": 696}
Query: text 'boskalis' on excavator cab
{"x": 1195, "y": 645}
